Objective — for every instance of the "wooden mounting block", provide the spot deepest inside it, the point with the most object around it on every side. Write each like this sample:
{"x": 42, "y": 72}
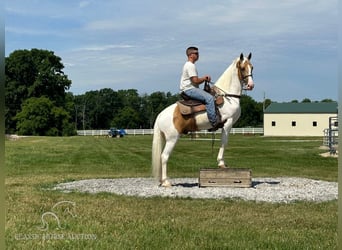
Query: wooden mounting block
{"x": 227, "y": 177}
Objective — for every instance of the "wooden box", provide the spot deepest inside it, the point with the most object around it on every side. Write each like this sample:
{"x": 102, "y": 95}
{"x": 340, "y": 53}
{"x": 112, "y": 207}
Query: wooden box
{"x": 227, "y": 177}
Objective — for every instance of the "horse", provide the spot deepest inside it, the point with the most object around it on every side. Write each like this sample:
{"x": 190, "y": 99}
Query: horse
{"x": 170, "y": 123}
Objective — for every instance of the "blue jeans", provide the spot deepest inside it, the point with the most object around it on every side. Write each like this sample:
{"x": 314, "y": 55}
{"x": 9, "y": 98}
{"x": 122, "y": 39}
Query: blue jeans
{"x": 208, "y": 99}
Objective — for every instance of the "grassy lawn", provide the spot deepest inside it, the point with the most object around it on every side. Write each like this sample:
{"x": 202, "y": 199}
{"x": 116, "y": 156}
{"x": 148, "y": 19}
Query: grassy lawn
{"x": 107, "y": 221}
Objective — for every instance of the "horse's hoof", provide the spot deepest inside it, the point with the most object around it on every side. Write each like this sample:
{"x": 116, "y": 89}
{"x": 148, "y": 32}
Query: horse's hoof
{"x": 223, "y": 166}
{"x": 165, "y": 183}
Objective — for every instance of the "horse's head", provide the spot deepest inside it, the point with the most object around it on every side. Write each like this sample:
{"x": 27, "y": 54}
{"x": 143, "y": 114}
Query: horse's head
{"x": 245, "y": 71}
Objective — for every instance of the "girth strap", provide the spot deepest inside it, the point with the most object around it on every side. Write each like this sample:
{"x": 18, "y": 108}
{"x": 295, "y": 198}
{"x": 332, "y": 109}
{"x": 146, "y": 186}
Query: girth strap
{"x": 231, "y": 95}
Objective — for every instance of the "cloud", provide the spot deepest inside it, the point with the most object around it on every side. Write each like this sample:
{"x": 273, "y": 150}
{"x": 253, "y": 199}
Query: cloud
{"x": 141, "y": 44}
{"x": 100, "y": 25}
{"x": 84, "y": 4}
{"x": 105, "y": 47}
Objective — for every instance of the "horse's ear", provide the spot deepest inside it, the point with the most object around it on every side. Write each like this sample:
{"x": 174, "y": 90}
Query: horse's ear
{"x": 249, "y": 56}
{"x": 241, "y": 57}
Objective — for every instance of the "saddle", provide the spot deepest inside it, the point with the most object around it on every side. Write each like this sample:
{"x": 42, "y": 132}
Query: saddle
{"x": 189, "y": 106}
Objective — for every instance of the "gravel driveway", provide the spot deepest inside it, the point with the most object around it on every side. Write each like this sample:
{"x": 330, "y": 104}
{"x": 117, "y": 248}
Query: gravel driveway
{"x": 274, "y": 190}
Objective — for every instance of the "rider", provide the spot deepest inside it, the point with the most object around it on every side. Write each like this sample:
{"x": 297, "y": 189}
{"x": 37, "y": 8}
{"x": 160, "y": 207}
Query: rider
{"x": 190, "y": 82}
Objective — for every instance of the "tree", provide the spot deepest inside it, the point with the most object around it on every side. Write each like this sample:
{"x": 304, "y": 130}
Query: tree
{"x": 251, "y": 112}
{"x": 39, "y": 116}
{"x": 156, "y": 102}
{"x": 129, "y": 98}
{"x": 267, "y": 102}
{"x": 96, "y": 109}
{"x": 32, "y": 73}
{"x": 126, "y": 118}
{"x": 306, "y": 100}
{"x": 327, "y": 100}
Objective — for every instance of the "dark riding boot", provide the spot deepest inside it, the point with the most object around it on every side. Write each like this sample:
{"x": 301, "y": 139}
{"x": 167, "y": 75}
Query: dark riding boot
{"x": 219, "y": 123}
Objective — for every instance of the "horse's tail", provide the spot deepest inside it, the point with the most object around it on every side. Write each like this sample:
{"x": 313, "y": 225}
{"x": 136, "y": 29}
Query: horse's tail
{"x": 157, "y": 144}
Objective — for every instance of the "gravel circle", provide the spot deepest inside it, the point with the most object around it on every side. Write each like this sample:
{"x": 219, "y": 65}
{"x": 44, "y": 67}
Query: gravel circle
{"x": 274, "y": 190}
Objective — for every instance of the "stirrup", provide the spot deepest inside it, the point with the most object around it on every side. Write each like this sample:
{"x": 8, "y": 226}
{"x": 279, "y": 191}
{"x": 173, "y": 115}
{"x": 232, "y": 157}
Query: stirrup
{"x": 217, "y": 126}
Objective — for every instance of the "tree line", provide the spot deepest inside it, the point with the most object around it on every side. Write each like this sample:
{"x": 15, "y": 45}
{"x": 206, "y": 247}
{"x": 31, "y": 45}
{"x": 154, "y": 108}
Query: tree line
{"x": 37, "y": 101}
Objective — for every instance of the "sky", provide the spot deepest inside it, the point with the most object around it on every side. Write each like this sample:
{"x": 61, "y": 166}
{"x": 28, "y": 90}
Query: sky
{"x": 140, "y": 44}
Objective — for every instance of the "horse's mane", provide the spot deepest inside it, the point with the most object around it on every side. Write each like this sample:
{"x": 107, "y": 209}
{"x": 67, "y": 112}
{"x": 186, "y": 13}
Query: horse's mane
{"x": 225, "y": 79}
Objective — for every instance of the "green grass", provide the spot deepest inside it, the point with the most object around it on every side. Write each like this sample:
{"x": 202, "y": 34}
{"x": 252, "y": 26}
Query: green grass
{"x": 107, "y": 221}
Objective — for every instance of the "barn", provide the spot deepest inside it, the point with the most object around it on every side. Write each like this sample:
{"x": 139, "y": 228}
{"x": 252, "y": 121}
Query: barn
{"x": 298, "y": 119}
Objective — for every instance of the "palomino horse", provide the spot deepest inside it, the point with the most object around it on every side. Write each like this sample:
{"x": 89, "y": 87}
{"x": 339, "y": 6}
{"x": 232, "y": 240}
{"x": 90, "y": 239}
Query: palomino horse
{"x": 170, "y": 123}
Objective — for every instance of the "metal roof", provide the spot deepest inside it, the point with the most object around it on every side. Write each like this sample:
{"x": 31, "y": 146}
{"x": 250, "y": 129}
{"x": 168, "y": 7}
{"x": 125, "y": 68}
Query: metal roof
{"x": 305, "y": 107}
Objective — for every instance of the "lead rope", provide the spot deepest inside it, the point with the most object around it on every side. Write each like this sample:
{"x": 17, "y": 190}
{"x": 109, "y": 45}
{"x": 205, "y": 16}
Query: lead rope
{"x": 207, "y": 89}
{"x": 212, "y": 142}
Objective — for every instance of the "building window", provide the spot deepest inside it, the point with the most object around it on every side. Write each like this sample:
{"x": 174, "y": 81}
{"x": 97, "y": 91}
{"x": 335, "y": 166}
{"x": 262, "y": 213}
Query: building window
{"x": 314, "y": 124}
{"x": 273, "y": 123}
{"x": 293, "y": 124}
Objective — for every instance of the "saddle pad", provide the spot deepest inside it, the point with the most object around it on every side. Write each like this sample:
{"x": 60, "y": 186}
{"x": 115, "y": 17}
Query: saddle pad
{"x": 188, "y": 110}
{"x": 192, "y": 102}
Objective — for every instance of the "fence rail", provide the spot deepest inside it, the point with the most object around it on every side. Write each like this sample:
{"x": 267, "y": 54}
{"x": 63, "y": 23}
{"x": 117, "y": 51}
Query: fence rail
{"x": 150, "y": 131}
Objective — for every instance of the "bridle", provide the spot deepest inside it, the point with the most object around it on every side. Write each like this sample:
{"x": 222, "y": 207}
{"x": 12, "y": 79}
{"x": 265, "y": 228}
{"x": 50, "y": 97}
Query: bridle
{"x": 246, "y": 76}
{"x": 242, "y": 77}
{"x": 243, "y": 80}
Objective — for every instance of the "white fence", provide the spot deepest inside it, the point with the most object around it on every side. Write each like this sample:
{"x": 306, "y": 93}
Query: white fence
{"x": 244, "y": 131}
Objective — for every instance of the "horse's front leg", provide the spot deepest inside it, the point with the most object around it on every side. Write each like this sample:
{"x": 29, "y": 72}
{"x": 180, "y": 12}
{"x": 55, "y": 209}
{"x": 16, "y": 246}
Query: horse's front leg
{"x": 224, "y": 141}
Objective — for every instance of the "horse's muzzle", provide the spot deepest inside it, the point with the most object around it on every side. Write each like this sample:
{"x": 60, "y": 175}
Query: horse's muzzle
{"x": 250, "y": 84}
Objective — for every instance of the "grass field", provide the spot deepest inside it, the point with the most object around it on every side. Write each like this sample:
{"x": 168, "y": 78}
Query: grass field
{"x": 107, "y": 221}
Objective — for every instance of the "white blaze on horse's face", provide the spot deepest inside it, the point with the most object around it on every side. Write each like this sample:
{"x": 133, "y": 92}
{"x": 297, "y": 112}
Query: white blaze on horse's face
{"x": 246, "y": 71}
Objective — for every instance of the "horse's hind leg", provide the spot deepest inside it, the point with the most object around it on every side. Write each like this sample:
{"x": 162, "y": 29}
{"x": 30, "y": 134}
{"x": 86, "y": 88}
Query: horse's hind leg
{"x": 169, "y": 145}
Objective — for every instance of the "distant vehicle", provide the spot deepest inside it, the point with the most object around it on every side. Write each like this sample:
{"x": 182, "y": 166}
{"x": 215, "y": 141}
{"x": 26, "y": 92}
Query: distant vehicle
{"x": 114, "y": 132}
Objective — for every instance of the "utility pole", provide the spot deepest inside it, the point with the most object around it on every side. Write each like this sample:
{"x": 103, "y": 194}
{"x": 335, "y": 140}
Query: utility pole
{"x": 84, "y": 108}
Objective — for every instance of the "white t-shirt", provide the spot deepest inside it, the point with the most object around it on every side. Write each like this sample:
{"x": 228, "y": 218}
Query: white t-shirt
{"x": 189, "y": 70}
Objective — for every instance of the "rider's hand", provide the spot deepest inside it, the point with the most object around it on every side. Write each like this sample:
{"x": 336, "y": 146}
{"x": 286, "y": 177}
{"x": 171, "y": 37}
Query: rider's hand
{"x": 207, "y": 78}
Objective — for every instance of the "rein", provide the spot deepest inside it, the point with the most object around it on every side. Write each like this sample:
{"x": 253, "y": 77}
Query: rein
{"x": 232, "y": 95}
{"x": 226, "y": 94}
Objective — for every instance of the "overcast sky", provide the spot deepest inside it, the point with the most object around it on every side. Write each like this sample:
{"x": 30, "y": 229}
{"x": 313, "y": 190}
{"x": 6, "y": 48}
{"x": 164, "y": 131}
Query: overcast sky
{"x": 141, "y": 44}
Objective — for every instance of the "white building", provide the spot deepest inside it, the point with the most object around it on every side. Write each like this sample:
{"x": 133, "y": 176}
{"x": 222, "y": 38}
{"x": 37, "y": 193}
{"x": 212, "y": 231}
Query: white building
{"x": 298, "y": 119}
